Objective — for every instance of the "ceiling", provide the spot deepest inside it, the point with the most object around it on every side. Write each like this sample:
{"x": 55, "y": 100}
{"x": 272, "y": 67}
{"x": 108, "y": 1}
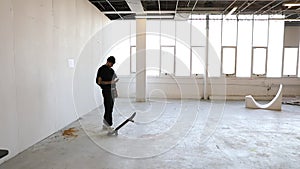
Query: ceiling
{"x": 129, "y": 9}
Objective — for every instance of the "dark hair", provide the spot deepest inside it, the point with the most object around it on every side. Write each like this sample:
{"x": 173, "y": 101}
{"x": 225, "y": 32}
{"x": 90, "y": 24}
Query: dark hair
{"x": 111, "y": 59}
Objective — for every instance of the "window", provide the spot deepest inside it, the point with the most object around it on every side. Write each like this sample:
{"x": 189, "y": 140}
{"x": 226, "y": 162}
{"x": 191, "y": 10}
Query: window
{"x": 133, "y": 33}
{"x": 167, "y": 33}
{"x": 118, "y": 46}
{"x": 214, "y": 48}
{"x": 259, "y": 61}
{"x": 229, "y": 31}
{"x": 244, "y": 46}
{"x": 228, "y": 60}
{"x": 167, "y": 59}
{"x": 260, "y": 30}
{"x": 298, "y": 63}
{"x": 121, "y": 51}
{"x": 183, "y": 58}
{"x": 198, "y": 30}
{"x": 290, "y": 61}
{"x": 198, "y": 60}
{"x": 275, "y": 46}
{"x": 153, "y": 47}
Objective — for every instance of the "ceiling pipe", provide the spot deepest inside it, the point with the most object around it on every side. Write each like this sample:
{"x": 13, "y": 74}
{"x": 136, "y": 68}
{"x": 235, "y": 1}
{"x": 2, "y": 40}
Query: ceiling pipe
{"x": 249, "y": 4}
{"x": 194, "y": 6}
{"x": 264, "y": 7}
{"x": 288, "y": 9}
{"x": 272, "y": 7}
{"x": 100, "y": 4}
{"x": 232, "y": 10}
{"x": 228, "y": 7}
{"x": 176, "y": 6}
{"x": 159, "y": 6}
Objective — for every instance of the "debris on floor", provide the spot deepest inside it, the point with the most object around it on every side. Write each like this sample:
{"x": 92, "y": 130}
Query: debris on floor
{"x": 291, "y": 100}
{"x": 70, "y": 132}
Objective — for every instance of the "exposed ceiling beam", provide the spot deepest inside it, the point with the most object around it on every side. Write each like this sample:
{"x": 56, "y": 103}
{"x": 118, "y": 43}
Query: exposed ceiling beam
{"x": 158, "y": 5}
{"x": 135, "y": 6}
{"x": 264, "y": 7}
{"x": 118, "y": 12}
{"x": 100, "y": 4}
{"x": 145, "y": 12}
{"x": 287, "y": 9}
{"x": 229, "y": 6}
{"x": 280, "y": 2}
{"x": 249, "y": 4}
{"x": 194, "y": 6}
{"x": 176, "y": 5}
{"x": 114, "y": 9}
{"x": 208, "y": 9}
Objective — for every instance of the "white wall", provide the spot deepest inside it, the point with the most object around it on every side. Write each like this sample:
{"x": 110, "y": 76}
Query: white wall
{"x": 188, "y": 87}
{"x": 218, "y": 88}
{"x": 36, "y": 91}
{"x": 8, "y": 109}
{"x": 231, "y": 87}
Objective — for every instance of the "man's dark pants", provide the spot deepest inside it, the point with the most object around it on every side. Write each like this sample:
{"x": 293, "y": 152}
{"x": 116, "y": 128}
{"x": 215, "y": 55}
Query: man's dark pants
{"x": 108, "y": 105}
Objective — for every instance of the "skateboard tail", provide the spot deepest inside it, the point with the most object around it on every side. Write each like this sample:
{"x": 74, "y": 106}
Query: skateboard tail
{"x": 115, "y": 131}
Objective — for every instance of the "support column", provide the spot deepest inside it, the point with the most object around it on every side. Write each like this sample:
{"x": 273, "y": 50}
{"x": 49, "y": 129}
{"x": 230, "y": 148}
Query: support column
{"x": 140, "y": 60}
{"x": 205, "y": 85}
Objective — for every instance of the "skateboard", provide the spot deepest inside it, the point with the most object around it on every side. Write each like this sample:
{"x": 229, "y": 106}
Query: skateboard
{"x": 115, "y": 131}
{"x": 3, "y": 153}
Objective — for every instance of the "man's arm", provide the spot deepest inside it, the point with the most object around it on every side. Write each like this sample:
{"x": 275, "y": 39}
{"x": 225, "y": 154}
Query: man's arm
{"x": 100, "y": 81}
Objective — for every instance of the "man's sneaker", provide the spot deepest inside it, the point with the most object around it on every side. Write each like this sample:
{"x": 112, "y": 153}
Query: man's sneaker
{"x": 108, "y": 128}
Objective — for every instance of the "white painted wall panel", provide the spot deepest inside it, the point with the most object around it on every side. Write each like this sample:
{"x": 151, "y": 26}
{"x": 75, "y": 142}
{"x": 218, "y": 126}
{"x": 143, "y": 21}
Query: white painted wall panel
{"x": 34, "y": 66}
{"x": 8, "y": 109}
{"x": 64, "y": 48}
{"x": 40, "y": 36}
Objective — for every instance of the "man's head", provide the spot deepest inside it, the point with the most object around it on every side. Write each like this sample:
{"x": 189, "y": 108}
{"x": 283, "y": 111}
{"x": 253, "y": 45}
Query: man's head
{"x": 111, "y": 61}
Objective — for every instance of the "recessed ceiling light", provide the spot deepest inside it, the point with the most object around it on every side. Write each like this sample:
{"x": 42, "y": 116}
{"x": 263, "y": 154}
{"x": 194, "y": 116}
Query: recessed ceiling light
{"x": 291, "y": 4}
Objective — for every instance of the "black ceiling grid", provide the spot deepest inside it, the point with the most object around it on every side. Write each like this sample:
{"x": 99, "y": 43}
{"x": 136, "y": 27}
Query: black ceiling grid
{"x": 149, "y": 5}
{"x": 113, "y": 6}
{"x": 109, "y": 7}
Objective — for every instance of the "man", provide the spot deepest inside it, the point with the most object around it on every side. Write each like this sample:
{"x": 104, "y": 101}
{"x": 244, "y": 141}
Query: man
{"x": 107, "y": 79}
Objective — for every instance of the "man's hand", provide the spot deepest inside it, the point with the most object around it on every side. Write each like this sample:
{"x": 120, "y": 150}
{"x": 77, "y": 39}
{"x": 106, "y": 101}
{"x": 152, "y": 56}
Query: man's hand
{"x": 115, "y": 80}
{"x": 99, "y": 80}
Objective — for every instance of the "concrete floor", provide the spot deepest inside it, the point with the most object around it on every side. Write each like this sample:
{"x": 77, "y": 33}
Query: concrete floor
{"x": 173, "y": 134}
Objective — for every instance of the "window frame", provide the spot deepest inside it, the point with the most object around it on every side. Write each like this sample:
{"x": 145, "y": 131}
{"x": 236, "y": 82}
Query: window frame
{"x": 266, "y": 63}
{"x": 160, "y": 64}
{"x": 297, "y": 64}
{"x": 222, "y": 59}
{"x": 191, "y": 64}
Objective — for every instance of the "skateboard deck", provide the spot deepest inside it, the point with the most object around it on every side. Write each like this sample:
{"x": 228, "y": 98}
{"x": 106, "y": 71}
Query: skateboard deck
{"x": 3, "y": 153}
{"x": 115, "y": 131}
